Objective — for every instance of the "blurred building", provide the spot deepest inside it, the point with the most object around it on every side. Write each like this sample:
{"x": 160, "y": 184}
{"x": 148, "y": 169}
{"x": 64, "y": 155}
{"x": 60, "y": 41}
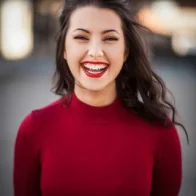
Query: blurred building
{"x": 33, "y": 26}
{"x": 27, "y": 27}
{"x": 172, "y": 24}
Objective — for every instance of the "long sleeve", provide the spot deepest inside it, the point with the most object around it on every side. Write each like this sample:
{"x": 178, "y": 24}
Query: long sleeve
{"x": 26, "y": 162}
{"x": 168, "y": 164}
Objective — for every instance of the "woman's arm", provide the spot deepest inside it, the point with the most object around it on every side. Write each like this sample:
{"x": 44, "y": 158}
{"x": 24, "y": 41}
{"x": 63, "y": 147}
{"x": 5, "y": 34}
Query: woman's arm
{"x": 168, "y": 164}
{"x": 26, "y": 176}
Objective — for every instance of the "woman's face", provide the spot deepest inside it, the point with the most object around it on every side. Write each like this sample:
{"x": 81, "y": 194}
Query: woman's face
{"x": 95, "y": 47}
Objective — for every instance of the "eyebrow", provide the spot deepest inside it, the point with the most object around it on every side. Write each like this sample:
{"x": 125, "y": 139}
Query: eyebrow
{"x": 103, "y": 32}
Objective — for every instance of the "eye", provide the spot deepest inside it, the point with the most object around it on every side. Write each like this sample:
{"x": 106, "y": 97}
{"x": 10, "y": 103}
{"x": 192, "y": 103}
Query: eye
{"x": 111, "y": 39}
{"x": 80, "y": 37}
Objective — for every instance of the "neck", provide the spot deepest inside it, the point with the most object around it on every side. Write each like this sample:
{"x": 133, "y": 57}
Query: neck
{"x": 96, "y": 98}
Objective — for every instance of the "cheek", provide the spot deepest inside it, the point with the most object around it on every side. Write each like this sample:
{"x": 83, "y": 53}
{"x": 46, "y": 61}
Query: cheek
{"x": 75, "y": 53}
{"x": 74, "y": 56}
{"x": 116, "y": 55}
{"x": 117, "y": 59}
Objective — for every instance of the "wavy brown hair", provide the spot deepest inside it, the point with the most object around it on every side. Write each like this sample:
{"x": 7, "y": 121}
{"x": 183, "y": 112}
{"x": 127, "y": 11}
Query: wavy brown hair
{"x": 139, "y": 88}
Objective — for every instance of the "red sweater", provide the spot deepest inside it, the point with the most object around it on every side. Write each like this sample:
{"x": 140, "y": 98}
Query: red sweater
{"x": 83, "y": 150}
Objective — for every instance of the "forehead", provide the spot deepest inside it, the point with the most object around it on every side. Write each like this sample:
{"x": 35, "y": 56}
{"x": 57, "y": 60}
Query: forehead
{"x": 94, "y": 18}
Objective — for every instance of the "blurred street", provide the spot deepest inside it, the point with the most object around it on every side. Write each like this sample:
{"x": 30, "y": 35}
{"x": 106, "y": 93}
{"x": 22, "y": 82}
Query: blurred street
{"x": 27, "y": 64}
{"x": 26, "y": 86}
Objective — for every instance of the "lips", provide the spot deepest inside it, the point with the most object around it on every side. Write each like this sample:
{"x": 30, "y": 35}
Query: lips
{"x": 94, "y": 69}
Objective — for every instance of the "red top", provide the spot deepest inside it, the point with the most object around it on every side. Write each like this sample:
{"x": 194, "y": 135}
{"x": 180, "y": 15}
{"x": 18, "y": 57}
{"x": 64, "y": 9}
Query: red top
{"x": 83, "y": 150}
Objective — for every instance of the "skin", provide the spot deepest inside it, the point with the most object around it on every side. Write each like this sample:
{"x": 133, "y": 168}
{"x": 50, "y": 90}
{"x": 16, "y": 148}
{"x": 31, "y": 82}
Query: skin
{"x": 106, "y": 47}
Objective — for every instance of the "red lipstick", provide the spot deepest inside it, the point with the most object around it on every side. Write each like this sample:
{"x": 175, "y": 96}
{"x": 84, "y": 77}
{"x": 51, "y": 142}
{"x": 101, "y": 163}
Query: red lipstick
{"x": 95, "y": 62}
{"x": 94, "y": 73}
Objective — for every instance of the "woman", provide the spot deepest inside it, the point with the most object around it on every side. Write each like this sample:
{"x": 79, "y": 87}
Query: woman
{"x": 110, "y": 132}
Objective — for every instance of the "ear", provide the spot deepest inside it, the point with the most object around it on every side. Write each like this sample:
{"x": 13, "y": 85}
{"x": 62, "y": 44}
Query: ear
{"x": 65, "y": 55}
{"x": 126, "y": 55}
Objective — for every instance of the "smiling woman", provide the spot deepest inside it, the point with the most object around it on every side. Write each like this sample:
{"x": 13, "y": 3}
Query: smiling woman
{"x": 110, "y": 132}
{"x": 97, "y": 42}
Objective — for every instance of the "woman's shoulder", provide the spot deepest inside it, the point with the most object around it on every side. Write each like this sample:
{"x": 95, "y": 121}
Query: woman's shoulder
{"x": 51, "y": 106}
{"x": 41, "y": 116}
{"x": 167, "y": 132}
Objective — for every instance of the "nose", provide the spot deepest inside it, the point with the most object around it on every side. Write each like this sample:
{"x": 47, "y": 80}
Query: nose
{"x": 95, "y": 50}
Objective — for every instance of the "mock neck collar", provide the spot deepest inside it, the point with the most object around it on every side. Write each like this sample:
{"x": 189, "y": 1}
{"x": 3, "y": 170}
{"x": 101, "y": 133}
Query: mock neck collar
{"x": 102, "y": 114}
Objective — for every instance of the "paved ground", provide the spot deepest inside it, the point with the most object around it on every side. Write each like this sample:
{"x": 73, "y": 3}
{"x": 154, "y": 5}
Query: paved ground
{"x": 25, "y": 85}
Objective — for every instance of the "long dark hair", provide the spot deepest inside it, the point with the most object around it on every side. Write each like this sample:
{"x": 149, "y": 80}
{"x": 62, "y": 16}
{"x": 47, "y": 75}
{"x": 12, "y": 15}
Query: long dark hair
{"x": 139, "y": 88}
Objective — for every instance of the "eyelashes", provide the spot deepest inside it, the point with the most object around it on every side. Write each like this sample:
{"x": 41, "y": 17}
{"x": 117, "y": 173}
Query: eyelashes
{"x": 106, "y": 39}
{"x": 80, "y": 37}
{"x": 111, "y": 39}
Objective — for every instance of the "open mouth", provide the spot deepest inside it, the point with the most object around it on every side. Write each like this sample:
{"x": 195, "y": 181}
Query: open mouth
{"x": 94, "y": 70}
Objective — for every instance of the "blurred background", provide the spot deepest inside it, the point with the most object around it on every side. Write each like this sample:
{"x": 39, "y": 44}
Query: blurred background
{"x": 27, "y": 62}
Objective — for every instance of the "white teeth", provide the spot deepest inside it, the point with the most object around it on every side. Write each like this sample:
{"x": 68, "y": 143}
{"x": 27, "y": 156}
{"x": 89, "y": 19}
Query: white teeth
{"x": 94, "y": 66}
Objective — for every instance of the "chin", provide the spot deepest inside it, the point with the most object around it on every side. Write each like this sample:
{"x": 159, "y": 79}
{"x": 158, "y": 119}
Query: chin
{"x": 95, "y": 87}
